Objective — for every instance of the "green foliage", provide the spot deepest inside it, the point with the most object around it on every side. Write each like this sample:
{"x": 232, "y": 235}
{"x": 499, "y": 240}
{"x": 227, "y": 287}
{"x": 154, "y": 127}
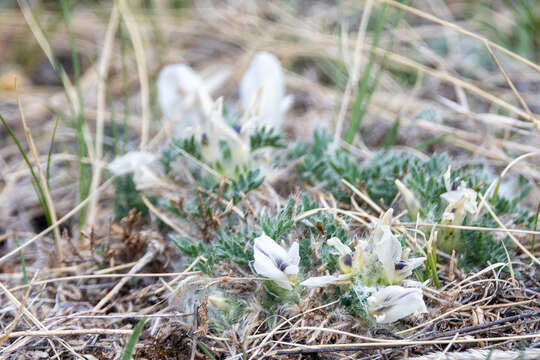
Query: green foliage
{"x": 317, "y": 225}
{"x": 276, "y": 226}
{"x": 235, "y": 247}
{"x": 275, "y": 295}
{"x": 189, "y": 145}
{"x": 481, "y": 248}
{"x": 246, "y": 183}
{"x": 225, "y": 317}
{"x": 127, "y": 197}
{"x": 266, "y": 137}
{"x": 174, "y": 150}
{"x": 325, "y": 167}
{"x": 354, "y": 302}
{"x": 305, "y": 252}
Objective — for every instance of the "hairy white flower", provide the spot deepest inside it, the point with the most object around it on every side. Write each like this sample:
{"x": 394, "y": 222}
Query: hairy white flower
{"x": 130, "y": 162}
{"x": 392, "y": 303}
{"x": 179, "y": 88}
{"x": 222, "y": 144}
{"x": 460, "y": 202}
{"x": 396, "y": 266}
{"x": 263, "y": 87}
{"x": 395, "y": 262}
{"x": 274, "y": 262}
{"x": 137, "y": 162}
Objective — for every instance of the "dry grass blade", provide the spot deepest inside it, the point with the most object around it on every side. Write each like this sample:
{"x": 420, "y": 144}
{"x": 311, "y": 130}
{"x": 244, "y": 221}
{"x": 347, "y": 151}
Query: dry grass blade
{"x": 461, "y": 30}
{"x": 44, "y": 185}
{"x": 100, "y": 119}
{"x": 140, "y": 58}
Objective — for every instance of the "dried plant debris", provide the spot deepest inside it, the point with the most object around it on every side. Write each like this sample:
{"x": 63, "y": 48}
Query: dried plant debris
{"x": 298, "y": 180}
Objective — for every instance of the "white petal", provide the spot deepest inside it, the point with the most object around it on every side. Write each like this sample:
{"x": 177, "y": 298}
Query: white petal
{"x": 264, "y": 78}
{"x": 320, "y": 281}
{"x": 452, "y": 196}
{"x": 130, "y": 162}
{"x": 339, "y": 246}
{"x": 270, "y": 247}
{"x": 286, "y": 104}
{"x": 408, "y": 266}
{"x": 293, "y": 255}
{"x": 291, "y": 270}
{"x": 383, "y": 223}
{"x": 395, "y": 302}
{"x": 266, "y": 267}
{"x": 388, "y": 250}
{"x": 386, "y": 219}
{"x": 415, "y": 262}
{"x": 470, "y": 207}
{"x": 470, "y": 204}
{"x": 175, "y": 85}
{"x": 447, "y": 179}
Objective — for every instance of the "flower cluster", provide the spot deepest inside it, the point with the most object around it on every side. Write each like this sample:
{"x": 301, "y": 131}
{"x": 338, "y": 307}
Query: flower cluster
{"x": 185, "y": 99}
{"x": 378, "y": 267}
{"x": 461, "y": 201}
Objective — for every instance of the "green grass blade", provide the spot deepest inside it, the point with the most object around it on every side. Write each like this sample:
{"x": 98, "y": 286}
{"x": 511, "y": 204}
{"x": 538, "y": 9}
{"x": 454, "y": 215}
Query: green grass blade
{"x": 205, "y": 350}
{"x": 366, "y": 87}
{"x": 23, "y": 261}
{"x": 360, "y": 102}
{"x": 533, "y": 241}
{"x": 133, "y": 339}
{"x": 85, "y": 172}
{"x": 35, "y": 181}
{"x": 430, "y": 142}
{"x": 49, "y": 155}
{"x": 390, "y": 139}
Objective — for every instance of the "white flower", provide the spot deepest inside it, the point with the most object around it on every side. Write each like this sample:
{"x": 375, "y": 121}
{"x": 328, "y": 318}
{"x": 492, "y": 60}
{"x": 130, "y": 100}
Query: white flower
{"x": 274, "y": 262}
{"x": 130, "y": 161}
{"x": 350, "y": 264}
{"x": 216, "y": 133}
{"x": 263, "y": 87}
{"x": 178, "y": 89}
{"x": 396, "y": 266}
{"x": 137, "y": 162}
{"x": 410, "y": 200}
{"x": 460, "y": 198}
{"x": 395, "y": 302}
{"x": 460, "y": 201}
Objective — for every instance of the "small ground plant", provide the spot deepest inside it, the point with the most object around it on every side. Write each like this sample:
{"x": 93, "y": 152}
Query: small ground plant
{"x": 269, "y": 180}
